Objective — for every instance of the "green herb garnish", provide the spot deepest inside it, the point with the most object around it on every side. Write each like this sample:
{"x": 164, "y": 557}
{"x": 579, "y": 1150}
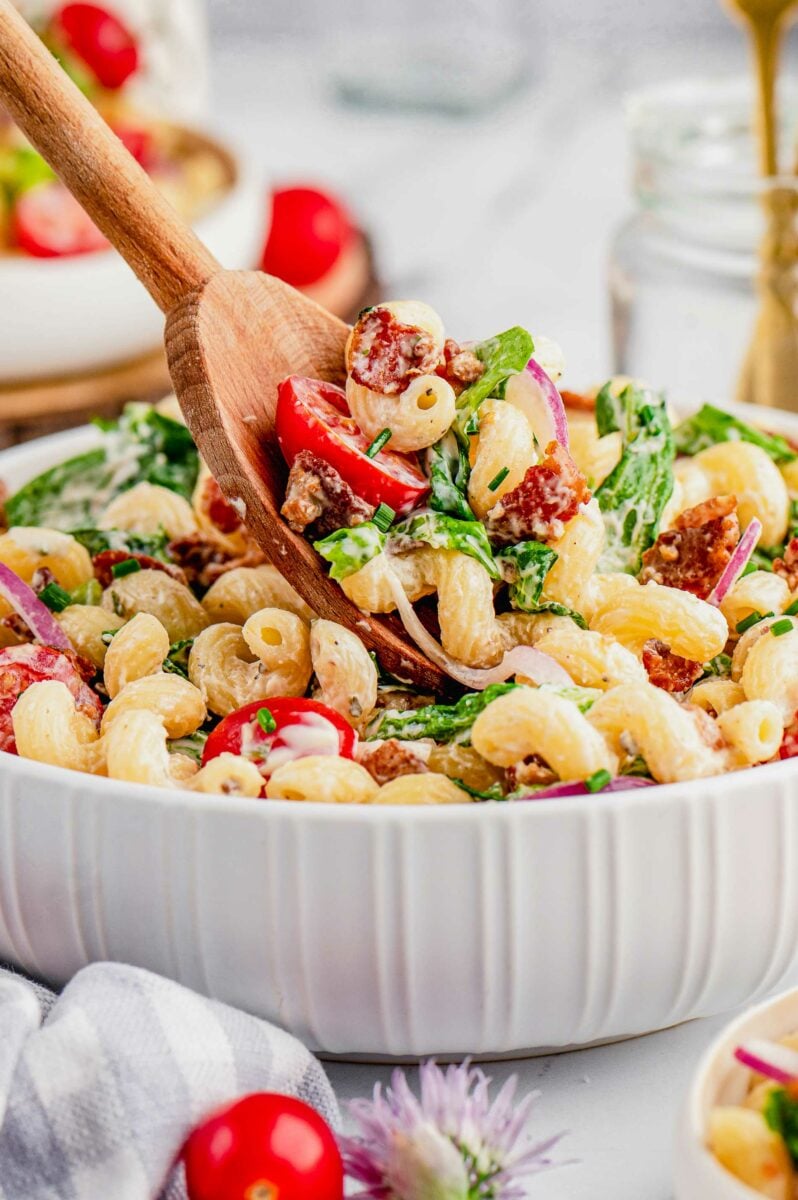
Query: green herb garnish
{"x": 128, "y": 566}
{"x": 266, "y": 720}
{"x": 498, "y": 479}
{"x": 380, "y": 440}
{"x": 383, "y": 517}
{"x": 598, "y": 780}
{"x": 781, "y": 627}
{"x": 752, "y": 619}
{"x": 55, "y": 597}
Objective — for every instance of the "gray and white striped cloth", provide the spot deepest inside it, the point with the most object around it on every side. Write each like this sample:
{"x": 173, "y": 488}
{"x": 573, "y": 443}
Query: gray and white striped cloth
{"x": 100, "y": 1085}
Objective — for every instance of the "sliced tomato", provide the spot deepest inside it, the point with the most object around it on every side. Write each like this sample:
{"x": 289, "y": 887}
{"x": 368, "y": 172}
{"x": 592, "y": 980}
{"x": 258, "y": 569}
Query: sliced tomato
{"x": 308, "y": 234}
{"x": 312, "y": 415}
{"x": 20, "y": 666}
{"x": 301, "y": 727}
{"x": 100, "y": 40}
{"x": 48, "y": 222}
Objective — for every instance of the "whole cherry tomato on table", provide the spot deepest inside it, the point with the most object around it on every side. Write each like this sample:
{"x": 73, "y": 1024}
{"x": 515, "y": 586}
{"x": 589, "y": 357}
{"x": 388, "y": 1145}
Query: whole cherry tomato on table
{"x": 308, "y": 234}
{"x": 312, "y": 415}
{"x": 264, "y": 1147}
{"x": 99, "y": 40}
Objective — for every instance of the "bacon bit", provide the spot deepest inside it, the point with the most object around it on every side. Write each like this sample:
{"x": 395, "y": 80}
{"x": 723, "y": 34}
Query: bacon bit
{"x": 390, "y": 760}
{"x": 385, "y": 354}
{"x": 787, "y": 567}
{"x": 217, "y": 508}
{"x": 317, "y": 495}
{"x": 460, "y": 367}
{"x": 708, "y": 730}
{"x": 20, "y": 666}
{"x": 42, "y": 576}
{"x": 549, "y": 495}
{"x": 667, "y": 670}
{"x": 789, "y": 742}
{"x": 106, "y": 560}
{"x": 579, "y": 401}
{"x": 693, "y": 555}
{"x": 203, "y": 560}
{"x": 532, "y": 772}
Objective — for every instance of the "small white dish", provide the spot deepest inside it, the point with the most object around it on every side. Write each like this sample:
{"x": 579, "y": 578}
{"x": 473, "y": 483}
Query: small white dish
{"x": 64, "y": 316}
{"x": 720, "y": 1079}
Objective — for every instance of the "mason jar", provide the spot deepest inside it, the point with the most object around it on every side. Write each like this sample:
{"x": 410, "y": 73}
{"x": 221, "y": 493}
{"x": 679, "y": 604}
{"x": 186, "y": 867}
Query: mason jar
{"x": 685, "y": 265}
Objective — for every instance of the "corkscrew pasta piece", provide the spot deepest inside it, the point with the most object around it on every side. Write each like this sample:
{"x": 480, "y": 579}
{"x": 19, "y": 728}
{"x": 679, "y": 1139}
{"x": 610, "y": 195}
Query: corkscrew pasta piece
{"x": 149, "y": 508}
{"x": 155, "y": 592}
{"x": 749, "y": 639}
{"x": 417, "y": 417}
{"x": 28, "y": 548}
{"x": 753, "y": 731}
{"x": 747, "y": 472}
{"x": 505, "y": 447}
{"x": 770, "y": 671}
{"x": 136, "y": 749}
{"x": 527, "y": 721}
{"x": 49, "y": 729}
{"x": 430, "y": 788}
{"x": 230, "y": 775}
{"x": 691, "y": 627}
{"x": 322, "y": 778}
{"x": 749, "y": 1149}
{"x": 239, "y": 593}
{"x": 579, "y": 550}
{"x": 667, "y": 735}
{"x": 465, "y": 609}
{"x": 84, "y": 625}
{"x": 591, "y": 659}
{"x": 138, "y": 649}
{"x": 370, "y": 589}
{"x": 269, "y": 656}
{"x": 345, "y": 671}
{"x": 595, "y": 456}
{"x": 761, "y": 591}
{"x": 281, "y": 641}
{"x": 176, "y": 701}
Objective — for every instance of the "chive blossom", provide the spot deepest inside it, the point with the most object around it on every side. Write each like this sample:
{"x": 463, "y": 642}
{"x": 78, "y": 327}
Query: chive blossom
{"x": 55, "y": 597}
{"x": 752, "y": 619}
{"x": 266, "y": 720}
{"x": 598, "y": 780}
{"x": 781, "y": 627}
{"x": 383, "y": 517}
{"x": 128, "y": 567}
{"x": 498, "y": 479}
{"x": 380, "y": 440}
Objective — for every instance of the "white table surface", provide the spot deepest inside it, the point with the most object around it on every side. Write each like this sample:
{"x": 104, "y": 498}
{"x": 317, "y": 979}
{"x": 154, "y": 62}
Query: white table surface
{"x": 501, "y": 221}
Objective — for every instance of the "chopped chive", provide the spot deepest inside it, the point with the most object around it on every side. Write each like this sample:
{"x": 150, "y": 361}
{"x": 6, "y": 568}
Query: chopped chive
{"x": 598, "y": 781}
{"x": 383, "y": 517}
{"x": 107, "y": 636}
{"x": 792, "y": 609}
{"x": 781, "y": 627}
{"x": 380, "y": 440}
{"x": 266, "y": 720}
{"x": 752, "y": 619}
{"x": 55, "y": 597}
{"x": 128, "y": 567}
{"x": 498, "y": 478}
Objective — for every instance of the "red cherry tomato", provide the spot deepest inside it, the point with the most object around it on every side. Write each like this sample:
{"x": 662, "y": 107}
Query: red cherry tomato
{"x": 301, "y": 727}
{"x": 312, "y": 415}
{"x": 20, "y": 666}
{"x": 48, "y": 222}
{"x": 309, "y": 232}
{"x": 137, "y": 141}
{"x": 264, "y": 1147}
{"x": 789, "y": 743}
{"x": 99, "y": 40}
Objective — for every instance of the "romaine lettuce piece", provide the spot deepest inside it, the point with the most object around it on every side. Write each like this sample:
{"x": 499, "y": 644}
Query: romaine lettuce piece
{"x": 503, "y": 355}
{"x": 347, "y": 550}
{"x": 448, "y": 471}
{"x": 711, "y": 425}
{"x": 441, "y": 722}
{"x": 525, "y": 567}
{"x": 447, "y": 533}
{"x": 97, "y": 541}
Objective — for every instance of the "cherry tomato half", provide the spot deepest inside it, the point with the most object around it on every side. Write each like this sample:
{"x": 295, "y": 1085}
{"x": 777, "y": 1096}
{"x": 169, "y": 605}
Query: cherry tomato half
{"x": 99, "y": 40}
{"x": 20, "y": 666}
{"x": 48, "y": 222}
{"x": 264, "y": 1147}
{"x": 308, "y": 234}
{"x": 312, "y": 415}
{"x": 301, "y": 727}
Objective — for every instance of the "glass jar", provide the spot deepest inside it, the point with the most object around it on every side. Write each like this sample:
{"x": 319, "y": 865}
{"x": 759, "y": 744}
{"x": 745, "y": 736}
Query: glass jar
{"x": 684, "y": 266}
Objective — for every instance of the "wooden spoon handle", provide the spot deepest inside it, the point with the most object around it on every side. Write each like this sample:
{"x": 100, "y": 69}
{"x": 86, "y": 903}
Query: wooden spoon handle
{"x": 165, "y": 254}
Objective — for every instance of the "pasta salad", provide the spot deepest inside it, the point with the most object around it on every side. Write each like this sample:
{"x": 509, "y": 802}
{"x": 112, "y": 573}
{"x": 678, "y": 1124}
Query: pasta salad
{"x": 614, "y": 596}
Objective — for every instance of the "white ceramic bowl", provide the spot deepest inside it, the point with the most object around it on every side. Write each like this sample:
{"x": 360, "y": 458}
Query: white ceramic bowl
{"x": 63, "y": 316}
{"x": 720, "y": 1079}
{"x": 482, "y": 929}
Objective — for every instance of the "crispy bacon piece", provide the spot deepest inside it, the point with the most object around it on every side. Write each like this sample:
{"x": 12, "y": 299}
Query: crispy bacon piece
{"x": 385, "y": 354}
{"x": 667, "y": 670}
{"x": 203, "y": 560}
{"x": 317, "y": 496}
{"x": 460, "y": 367}
{"x": 532, "y": 772}
{"x": 20, "y": 666}
{"x": 106, "y": 560}
{"x": 693, "y": 555}
{"x": 578, "y": 401}
{"x": 787, "y": 567}
{"x": 390, "y": 760}
{"x": 216, "y": 507}
{"x": 549, "y": 495}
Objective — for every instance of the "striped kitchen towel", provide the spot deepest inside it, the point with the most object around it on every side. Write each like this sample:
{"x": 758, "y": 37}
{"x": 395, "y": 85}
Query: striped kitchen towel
{"x": 99, "y": 1086}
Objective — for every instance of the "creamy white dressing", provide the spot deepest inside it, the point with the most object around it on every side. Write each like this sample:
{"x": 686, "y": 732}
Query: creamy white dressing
{"x": 311, "y": 733}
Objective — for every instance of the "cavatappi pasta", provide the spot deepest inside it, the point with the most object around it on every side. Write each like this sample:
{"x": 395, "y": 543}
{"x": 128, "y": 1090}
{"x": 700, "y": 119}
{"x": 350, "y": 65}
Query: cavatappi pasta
{"x": 617, "y": 606}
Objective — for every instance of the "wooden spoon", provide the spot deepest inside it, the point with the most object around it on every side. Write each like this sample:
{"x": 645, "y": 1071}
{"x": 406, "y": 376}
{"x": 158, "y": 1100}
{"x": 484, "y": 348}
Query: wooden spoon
{"x": 231, "y": 336}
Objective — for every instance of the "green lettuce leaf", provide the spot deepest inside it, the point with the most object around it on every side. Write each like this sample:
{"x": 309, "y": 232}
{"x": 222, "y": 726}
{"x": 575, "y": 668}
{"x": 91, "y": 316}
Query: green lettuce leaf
{"x": 347, "y": 550}
{"x": 176, "y": 661}
{"x": 634, "y": 494}
{"x": 503, "y": 355}
{"x": 781, "y": 1114}
{"x": 97, "y": 541}
{"x": 441, "y": 722}
{"x": 447, "y": 533}
{"x": 448, "y": 471}
{"x": 525, "y": 567}
{"x": 711, "y": 425}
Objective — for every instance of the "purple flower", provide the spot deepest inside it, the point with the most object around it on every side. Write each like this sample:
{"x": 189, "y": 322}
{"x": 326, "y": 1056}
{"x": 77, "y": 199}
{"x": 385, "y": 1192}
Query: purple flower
{"x": 451, "y": 1144}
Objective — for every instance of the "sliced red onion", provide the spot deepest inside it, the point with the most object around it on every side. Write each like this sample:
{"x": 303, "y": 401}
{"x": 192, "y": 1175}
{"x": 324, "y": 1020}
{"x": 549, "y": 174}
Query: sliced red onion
{"x": 577, "y": 787}
{"x": 37, "y": 616}
{"x": 769, "y": 1059}
{"x": 521, "y": 660}
{"x": 737, "y": 563}
{"x": 533, "y": 392}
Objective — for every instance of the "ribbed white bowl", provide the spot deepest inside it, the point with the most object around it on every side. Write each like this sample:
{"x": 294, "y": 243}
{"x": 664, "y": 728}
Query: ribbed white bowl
{"x": 479, "y": 929}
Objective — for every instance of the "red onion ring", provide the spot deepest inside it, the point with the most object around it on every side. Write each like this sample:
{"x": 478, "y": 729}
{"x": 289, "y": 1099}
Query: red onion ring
{"x": 769, "y": 1059}
{"x": 737, "y": 563}
{"x": 37, "y": 616}
{"x": 533, "y": 392}
{"x": 621, "y": 783}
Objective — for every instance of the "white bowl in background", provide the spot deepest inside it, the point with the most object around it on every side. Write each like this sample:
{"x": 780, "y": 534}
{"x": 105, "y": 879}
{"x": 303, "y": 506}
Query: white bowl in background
{"x": 481, "y": 929}
{"x": 63, "y": 316}
{"x": 720, "y": 1079}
